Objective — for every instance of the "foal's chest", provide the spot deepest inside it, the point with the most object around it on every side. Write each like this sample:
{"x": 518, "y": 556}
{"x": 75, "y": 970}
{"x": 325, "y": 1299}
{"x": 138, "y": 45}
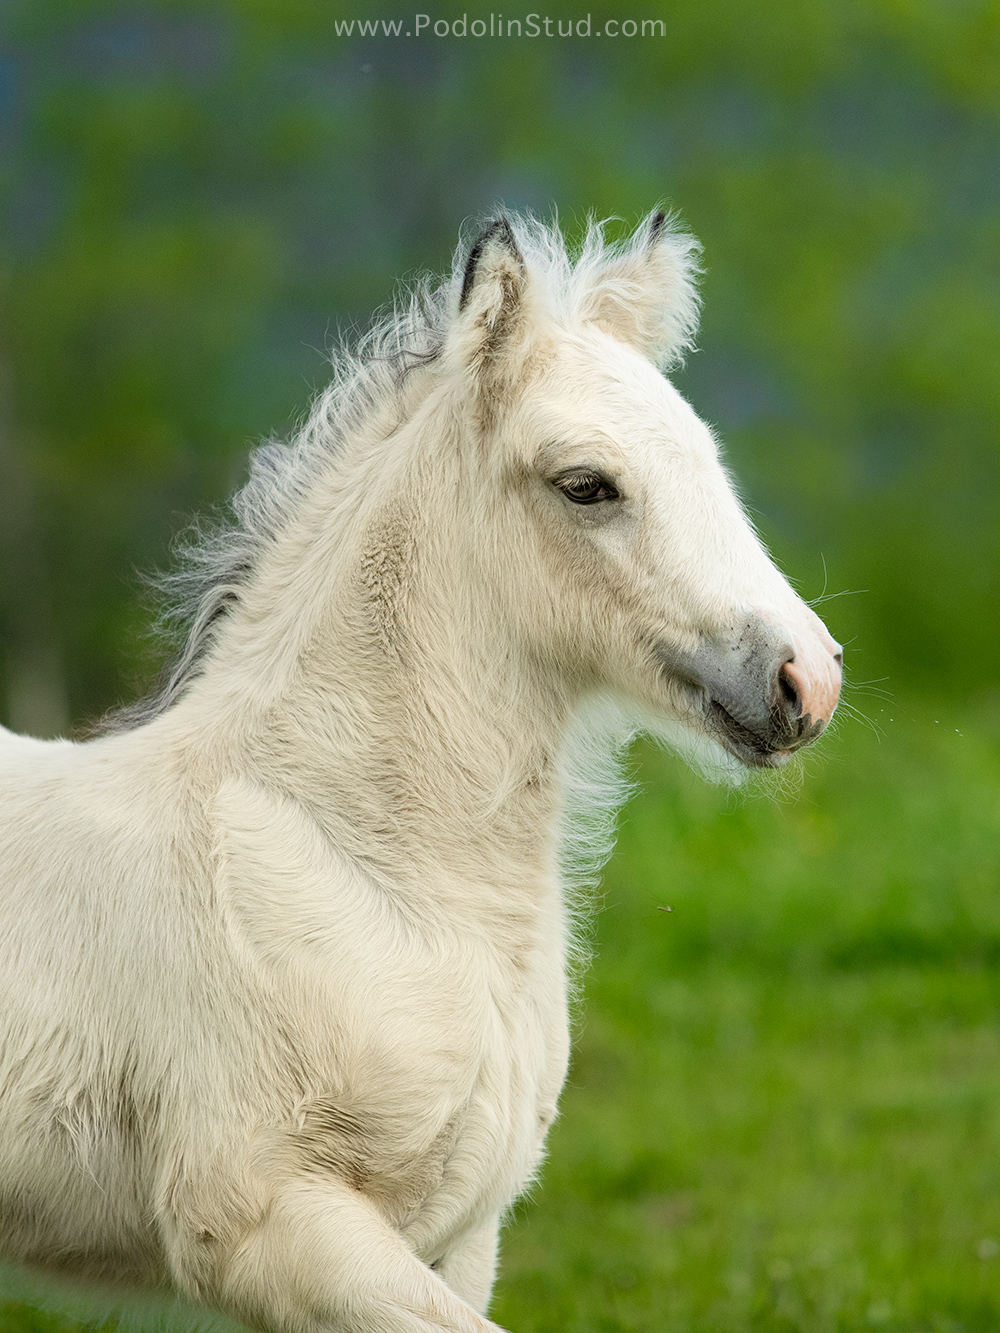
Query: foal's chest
{"x": 441, "y": 1096}
{"x": 433, "y": 1047}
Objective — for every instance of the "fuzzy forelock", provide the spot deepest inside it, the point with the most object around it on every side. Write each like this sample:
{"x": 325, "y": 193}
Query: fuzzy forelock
{"x": 374, "y": 377}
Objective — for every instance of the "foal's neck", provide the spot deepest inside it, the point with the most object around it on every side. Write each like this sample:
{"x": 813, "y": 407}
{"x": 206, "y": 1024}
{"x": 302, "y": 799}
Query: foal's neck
{"x": 411, "y": 724}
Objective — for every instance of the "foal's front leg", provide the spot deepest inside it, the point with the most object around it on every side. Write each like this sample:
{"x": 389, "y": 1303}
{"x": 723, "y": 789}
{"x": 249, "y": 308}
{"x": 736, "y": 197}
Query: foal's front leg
{"x": 323, "y": 1260}
{"x": 469, "y": 1267}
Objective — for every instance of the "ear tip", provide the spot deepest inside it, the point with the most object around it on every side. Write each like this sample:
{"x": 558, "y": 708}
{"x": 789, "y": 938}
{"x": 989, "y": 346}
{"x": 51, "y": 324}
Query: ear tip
{"x": 499, "y": 230}
{"x": 656, "y": 224}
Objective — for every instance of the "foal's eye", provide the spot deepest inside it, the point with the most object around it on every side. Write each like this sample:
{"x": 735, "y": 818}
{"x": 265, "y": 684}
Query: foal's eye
{"x": 586, "y": 488}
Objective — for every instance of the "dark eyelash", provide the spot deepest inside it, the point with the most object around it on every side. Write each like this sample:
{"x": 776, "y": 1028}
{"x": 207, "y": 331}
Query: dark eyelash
{"x": 586, "y": 488}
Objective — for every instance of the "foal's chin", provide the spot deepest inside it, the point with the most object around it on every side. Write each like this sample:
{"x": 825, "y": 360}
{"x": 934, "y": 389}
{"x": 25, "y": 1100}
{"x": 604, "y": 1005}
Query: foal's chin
{"x": 750, "y": 752}
{"x": 755, "y": 760}
{"x": 714, "y": 752}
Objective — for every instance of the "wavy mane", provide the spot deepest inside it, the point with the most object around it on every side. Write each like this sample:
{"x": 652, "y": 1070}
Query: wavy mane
{"x": 371, "y": 377}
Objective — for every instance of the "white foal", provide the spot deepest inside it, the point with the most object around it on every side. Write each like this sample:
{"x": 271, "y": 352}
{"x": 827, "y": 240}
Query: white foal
{"x": 283, "y": 955}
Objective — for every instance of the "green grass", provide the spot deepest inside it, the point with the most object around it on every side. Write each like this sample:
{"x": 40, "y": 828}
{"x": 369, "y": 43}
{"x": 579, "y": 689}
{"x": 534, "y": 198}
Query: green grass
{"x": 784, "y": 1108}
{"x": 17, "y": 1318}
{"x": 783, "y": 1114}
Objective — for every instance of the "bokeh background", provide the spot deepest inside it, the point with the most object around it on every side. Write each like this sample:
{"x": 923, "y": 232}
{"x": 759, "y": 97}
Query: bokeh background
{"x": 784, "y": 1112}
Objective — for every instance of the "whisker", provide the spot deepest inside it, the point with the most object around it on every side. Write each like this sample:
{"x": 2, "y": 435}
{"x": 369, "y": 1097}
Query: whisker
{"x": 831, "y": 596}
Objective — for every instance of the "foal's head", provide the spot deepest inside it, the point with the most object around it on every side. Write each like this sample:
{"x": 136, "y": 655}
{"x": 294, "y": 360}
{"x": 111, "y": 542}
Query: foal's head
{"x": 620, "y": 554}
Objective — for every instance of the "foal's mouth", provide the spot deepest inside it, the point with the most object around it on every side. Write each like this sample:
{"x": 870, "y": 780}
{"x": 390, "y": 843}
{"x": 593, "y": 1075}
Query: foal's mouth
{"x": 771, "y": 748}
{"x": 756, "y": 715}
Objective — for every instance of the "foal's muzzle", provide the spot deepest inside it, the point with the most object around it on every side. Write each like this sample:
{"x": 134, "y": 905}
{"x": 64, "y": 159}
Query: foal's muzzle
{"x": 762, "y": 695}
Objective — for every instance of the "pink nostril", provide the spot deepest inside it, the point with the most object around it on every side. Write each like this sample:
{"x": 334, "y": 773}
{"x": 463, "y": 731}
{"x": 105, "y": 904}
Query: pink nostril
{"x": 789, "y": 689}
{"x": 818, "y": 690}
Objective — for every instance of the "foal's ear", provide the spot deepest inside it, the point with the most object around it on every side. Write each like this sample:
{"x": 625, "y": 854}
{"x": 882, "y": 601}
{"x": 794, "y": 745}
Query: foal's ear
{"x": 645, "y": 294}
{"x": 492, "y": 318}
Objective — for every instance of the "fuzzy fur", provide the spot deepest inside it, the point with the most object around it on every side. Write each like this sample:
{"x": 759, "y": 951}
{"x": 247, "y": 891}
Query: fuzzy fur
{"x": 284, "y": 954}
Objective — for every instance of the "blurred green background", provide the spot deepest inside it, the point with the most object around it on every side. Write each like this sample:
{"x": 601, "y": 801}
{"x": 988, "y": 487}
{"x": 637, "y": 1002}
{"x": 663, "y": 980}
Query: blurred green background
{"x": 784, "y": 1110}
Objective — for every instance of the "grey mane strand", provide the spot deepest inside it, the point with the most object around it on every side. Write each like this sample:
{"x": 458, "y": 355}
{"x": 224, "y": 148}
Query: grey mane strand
{"x": 215, "y": 558}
